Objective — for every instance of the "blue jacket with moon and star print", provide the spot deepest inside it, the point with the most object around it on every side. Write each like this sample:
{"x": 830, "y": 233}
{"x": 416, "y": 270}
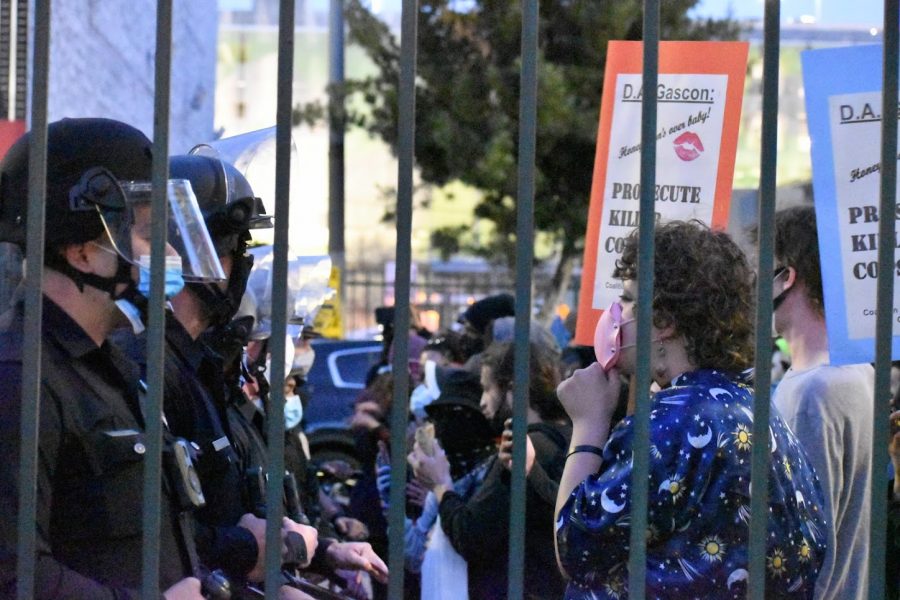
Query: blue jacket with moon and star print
{"x": 699, "y": 502}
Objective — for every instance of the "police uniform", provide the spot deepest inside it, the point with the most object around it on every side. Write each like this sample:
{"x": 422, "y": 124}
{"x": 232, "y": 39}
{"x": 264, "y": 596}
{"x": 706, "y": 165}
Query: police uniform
{"x": 192, "y": 371}
{"x": 90, "y": 466}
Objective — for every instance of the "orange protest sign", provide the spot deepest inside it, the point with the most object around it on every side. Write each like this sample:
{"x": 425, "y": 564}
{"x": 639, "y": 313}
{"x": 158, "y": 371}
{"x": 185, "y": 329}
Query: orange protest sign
{"x": 701, "y": 85}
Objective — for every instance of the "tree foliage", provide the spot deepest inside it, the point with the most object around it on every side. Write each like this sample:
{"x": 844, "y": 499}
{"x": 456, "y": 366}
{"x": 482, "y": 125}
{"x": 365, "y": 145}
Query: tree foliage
{"x": 467, "y": 99}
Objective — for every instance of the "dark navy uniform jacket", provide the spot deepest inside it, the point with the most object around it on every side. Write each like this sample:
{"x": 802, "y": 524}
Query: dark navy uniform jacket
{"x": 89, "y": 471}
{"x": 193, "y": 375}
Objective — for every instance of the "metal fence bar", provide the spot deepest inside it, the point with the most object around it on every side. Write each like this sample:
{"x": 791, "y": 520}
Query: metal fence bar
{"x": 399, "y": 410}
{"x": 152, "y": 495}
{"x": 885, "y": 300}
{"x": 275, "y": 409}
{"x": 759, "y": 461}
{"x": 31, "y": 376}
{"x": 637, "y": 558}
{"x": 524, "y": 259}
{"x": 336, "y": 135}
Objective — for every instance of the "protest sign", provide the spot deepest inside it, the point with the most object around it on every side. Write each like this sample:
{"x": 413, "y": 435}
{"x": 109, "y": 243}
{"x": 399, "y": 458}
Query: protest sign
{"x": 698, "y": 97}
{"x": 843, "y": 105}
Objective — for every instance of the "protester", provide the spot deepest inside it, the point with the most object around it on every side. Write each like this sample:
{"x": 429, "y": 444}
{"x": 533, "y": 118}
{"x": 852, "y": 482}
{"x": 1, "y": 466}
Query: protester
{"x": 444, "y": 349}
{"x": 828, "y": 407}
{"x": 457, "y": 425}
{"x": 478, "y": 526}
{"x": 477, "y": 321}
{"x": 90, "y": 446}
{"x": 700, "y": 440}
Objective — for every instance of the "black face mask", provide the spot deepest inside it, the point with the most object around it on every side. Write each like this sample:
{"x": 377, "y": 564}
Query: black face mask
{"x": 498, "y": 421}
{"x": 221, "y": 306}
{"x": 780, "y": 298}
{"x": 470, "y": 345}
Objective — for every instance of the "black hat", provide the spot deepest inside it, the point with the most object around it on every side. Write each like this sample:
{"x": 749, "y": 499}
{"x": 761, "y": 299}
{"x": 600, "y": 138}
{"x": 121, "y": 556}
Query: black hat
{"x": 487, "y": 309}
{"x": 384, "y": 316}
{"x": 460, "y": 426}
{"x": 74, "y": 146}
{"x": 458, "y": 387}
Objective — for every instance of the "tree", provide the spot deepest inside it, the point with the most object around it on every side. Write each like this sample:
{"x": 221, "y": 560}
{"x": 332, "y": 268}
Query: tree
{"x": 467, "y": 103}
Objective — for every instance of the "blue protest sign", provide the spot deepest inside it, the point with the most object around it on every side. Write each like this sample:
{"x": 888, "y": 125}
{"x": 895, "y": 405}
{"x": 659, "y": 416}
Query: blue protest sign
{"x": 843, "y": 106}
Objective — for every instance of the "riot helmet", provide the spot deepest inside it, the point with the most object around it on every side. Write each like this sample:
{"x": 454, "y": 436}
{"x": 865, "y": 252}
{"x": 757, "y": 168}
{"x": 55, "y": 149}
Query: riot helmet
{"x": 230, "y": 210}
{"x": 98, "y": 181}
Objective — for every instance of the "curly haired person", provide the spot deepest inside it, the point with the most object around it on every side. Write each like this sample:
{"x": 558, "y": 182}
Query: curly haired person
{"x": 700, "y": 442}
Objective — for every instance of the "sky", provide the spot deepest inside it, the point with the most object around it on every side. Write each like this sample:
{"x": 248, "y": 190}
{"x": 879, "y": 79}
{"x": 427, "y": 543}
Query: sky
{"x": 827, "y": 12}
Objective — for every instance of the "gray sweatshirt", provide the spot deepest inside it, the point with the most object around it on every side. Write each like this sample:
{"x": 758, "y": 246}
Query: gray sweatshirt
{"x": 830, "y": 411}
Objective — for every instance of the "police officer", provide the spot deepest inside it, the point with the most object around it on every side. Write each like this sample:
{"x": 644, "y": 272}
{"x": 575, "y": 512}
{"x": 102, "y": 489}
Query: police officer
{"x": 90, "y": 447}
{"x": 231, "y": 210}
{"x": 227, "y": 536}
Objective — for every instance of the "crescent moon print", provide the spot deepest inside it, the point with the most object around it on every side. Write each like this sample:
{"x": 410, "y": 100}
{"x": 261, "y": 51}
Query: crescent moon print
{"x": 736, "y": 576}
{"x": 719, "y": 392}
{"x": 608, "y": 505}
{"x": 700, "y": 441}
{"x": 698, "y": 511}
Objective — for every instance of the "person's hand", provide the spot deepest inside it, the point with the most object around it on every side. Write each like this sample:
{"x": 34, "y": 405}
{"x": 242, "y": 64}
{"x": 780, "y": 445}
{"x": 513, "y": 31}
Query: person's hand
{"x": 309, "y": 534}
{"x": 257, "y": 527}
{"x": 351, "y": 529}
{"x": 506, "y": 448}
{"x": 287, "y": 592}
{"x": 416, "y": 493}
{"x": 590, "y": 396}
{"x": 186, "y": 589}
{"x": 431, "y": 471}
{"x": 357, "y": 556}
{"x": 356, "y": 585}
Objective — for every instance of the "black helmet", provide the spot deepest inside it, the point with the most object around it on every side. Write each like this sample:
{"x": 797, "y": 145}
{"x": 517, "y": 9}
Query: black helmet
{"x": 110, "y": 149}
{"x": 230, "y": 210}
{"x": 224, "y": 196}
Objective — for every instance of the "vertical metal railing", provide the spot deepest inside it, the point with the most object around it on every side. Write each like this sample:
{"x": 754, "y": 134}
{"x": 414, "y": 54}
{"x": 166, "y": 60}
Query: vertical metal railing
{"x": 524, "y": 258}
{"x": 637, "y": 559}
{"x": 527, "y": 139}
{"x": 275, "y": 409}
{"x": 885, "y": 301}
{"x": 400, "y": 407}
{"x": 31, "y": 351}
{"x": 152, "y": 492}
{"x": 759, "y": 460}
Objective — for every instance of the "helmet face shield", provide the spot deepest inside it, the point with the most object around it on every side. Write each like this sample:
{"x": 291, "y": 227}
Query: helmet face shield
{"x": 130, "y": 229}
{"x": 307, "y": 289}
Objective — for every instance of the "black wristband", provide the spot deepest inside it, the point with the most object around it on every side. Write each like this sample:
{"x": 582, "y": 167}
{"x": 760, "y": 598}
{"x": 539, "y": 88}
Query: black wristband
{"x": 585, "y": 448}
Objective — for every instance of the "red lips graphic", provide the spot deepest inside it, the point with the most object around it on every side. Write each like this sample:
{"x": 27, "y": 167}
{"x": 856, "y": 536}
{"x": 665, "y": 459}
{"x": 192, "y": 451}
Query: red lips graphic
{"x": 688, "y": 146}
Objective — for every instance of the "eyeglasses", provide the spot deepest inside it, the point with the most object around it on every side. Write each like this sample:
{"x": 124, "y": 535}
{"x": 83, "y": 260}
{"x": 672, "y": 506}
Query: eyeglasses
{"x": 778, "y": 272}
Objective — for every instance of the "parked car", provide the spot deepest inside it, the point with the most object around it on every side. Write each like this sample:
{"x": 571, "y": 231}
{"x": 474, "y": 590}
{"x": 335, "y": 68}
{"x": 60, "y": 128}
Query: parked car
{"x": 336, "y": 378}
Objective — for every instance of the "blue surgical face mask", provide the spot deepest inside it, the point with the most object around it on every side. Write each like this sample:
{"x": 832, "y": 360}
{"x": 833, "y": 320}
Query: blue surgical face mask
{"x": 293, "y": 411}
{"x": 174, "y": 278}
{"x": 420, "y": 398}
